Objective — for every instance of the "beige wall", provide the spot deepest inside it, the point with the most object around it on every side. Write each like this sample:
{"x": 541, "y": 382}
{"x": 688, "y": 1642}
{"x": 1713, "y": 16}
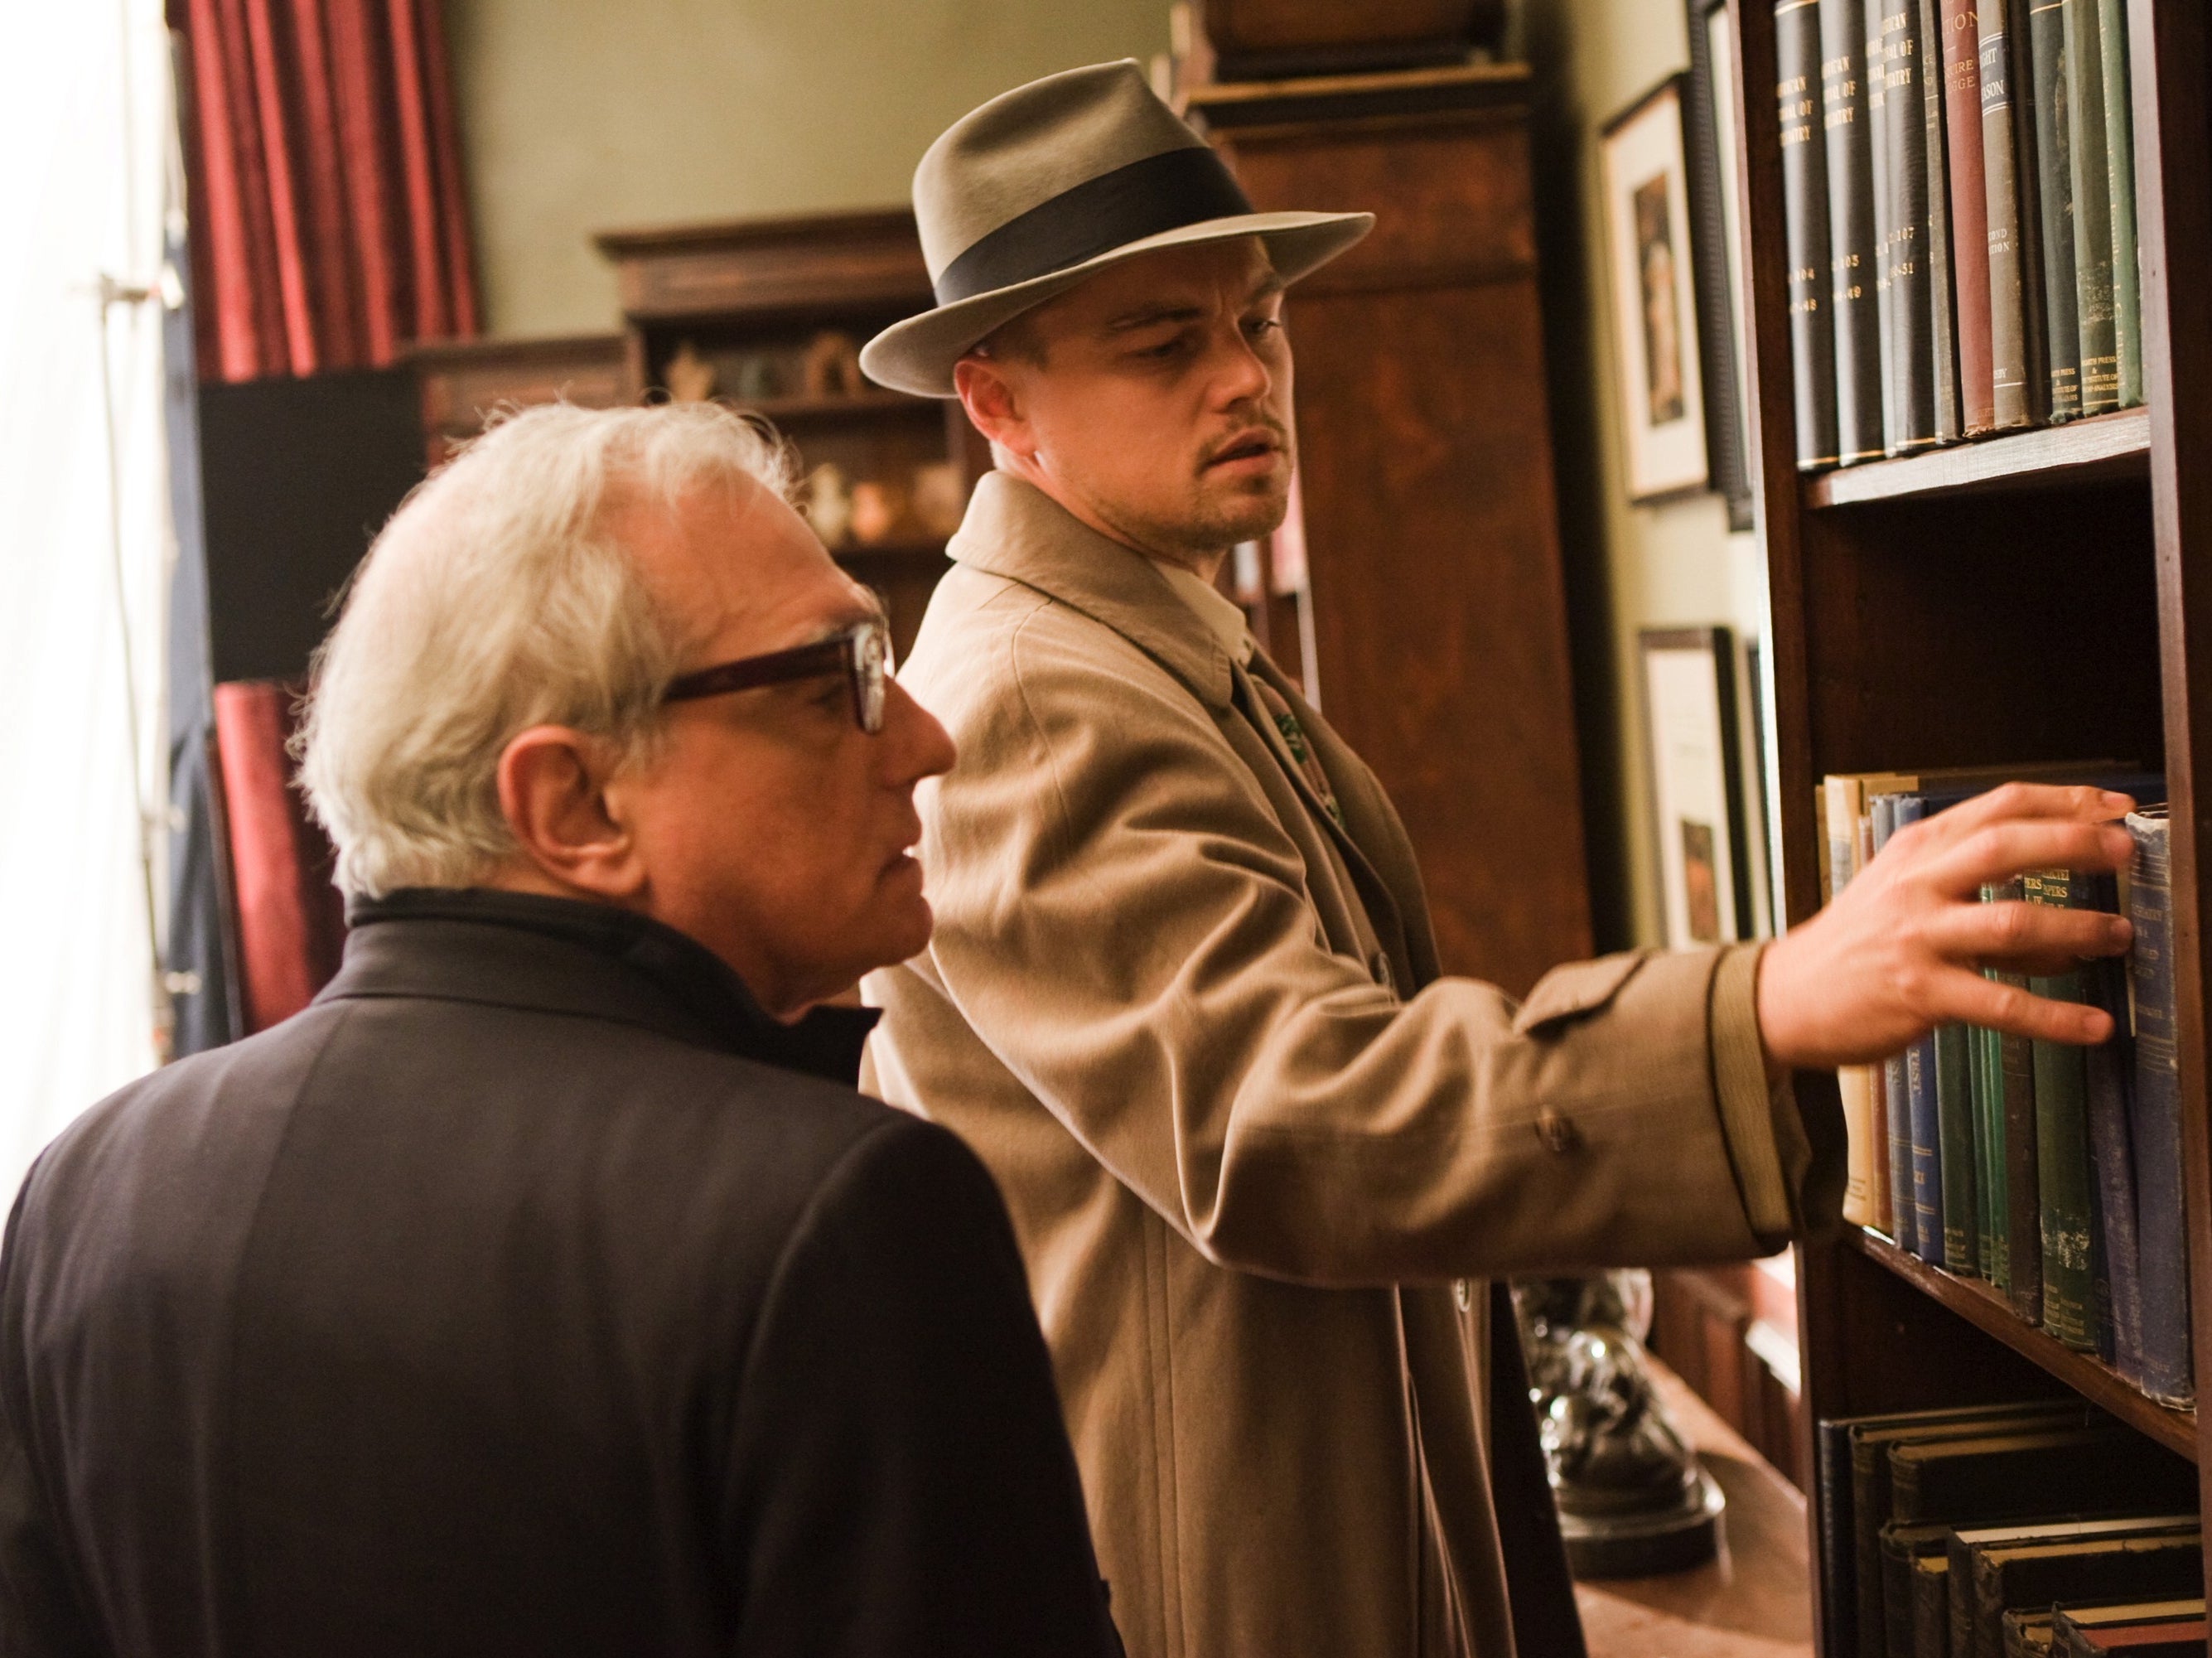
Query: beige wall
{"x": 583, "y": 115}
{"x": 1670, "y": 564}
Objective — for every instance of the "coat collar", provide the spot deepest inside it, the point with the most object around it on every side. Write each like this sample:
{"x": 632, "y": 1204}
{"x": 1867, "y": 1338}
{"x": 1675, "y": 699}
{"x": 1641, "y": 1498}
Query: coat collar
{"x": 1015, "y": 530}
{"x": 517, "y": 950}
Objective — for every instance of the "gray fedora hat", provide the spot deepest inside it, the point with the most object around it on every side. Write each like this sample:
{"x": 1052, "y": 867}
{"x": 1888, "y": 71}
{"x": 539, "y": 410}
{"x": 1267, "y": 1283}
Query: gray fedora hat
{"x": 1025, "y": 197}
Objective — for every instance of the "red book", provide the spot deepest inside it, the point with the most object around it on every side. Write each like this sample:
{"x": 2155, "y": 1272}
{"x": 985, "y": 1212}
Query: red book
{"x": 1970, "y": 212}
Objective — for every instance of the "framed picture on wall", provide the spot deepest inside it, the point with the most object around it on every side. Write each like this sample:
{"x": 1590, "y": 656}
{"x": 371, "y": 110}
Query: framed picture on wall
{"x": 1709, "y": 150}
{"x": 1649, "y": 262}
{"x": 1694, "y": 743}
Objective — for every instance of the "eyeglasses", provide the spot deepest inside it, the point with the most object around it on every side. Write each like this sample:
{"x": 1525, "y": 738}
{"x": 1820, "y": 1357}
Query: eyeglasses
{"x": 862, "y": 653}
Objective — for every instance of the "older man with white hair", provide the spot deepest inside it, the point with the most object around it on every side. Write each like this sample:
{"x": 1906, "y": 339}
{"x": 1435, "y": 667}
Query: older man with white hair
{"x": 546, "y": 1286}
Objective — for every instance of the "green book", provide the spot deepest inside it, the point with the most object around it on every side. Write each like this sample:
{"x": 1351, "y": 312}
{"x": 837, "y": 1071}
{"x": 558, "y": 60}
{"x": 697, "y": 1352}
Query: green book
{"x": 1954, "y": 1129}
{"x": 2093, "y": 208}
{"x": 2062, "y": 1151}
{"x": 1995, "y": 1200}
{"x": 2120, "y": 174}
{"x": 1979, "y": 1055}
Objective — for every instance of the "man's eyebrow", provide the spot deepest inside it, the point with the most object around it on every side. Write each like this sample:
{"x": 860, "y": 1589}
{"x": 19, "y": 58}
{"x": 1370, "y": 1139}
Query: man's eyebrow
{"x": 1146, "y": 316}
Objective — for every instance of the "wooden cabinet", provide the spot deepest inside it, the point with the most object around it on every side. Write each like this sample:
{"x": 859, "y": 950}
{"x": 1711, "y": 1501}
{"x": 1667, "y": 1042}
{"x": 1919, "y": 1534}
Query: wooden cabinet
{"x": 768, "y": 314}
{"x": 2043, "y": 596}
{"x": 462, "y": 384}
{"x": 1438, "y": 613}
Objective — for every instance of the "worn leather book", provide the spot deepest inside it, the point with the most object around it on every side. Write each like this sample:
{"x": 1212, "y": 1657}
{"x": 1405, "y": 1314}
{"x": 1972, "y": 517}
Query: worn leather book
{"x": 2099, "y": 1467}
{"x": 2170, "y": 1563}
{"x": 2093, "y": 207}
{"x": 2062, "y": 1151}
{"x": 2028, "y": 1630}
{"x": 2051, "y": 100}
{"x": 2021, "y": 1215}
{"x": 2116, "y": 1283}
{"x": 1942, "y": 308}
{"x": 1931, "y": 1607}
{"x": 1852, "y": 247}
{"x": 1837, "y": 1537}
{"x": 1954, "y": 1126}
{"x": 1987, "y": 1091}
{"x": 1897, "y": 105}
{"x": 1959, "y": 33}
{"x": 1871, "y": 1438}
{"x": 1904, "y": 1549}
{"x": 2180, "y": 1638}
{"x": 1965, "y": 1540}
{"x": 2120, "y": 190}
{"x": 2154, "y": 1118}
{"x": 2020, "y": 382}
{"x": 1805, "y": 228}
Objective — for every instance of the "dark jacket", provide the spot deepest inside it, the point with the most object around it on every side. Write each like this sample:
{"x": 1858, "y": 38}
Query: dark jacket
{"x": 522, "y": 1296}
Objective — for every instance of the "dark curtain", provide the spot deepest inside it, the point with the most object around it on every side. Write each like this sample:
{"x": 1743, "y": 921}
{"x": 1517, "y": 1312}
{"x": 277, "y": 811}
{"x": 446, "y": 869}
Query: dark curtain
{"x": 329, "y": 223}
{"x": 291, "y": 921}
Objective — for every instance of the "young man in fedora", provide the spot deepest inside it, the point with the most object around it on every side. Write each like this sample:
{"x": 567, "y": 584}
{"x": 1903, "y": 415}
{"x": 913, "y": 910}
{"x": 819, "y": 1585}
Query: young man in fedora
{"x": 1262, "y": 1157}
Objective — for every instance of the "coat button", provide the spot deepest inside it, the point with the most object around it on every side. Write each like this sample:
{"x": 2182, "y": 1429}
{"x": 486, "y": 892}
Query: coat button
{"x": 1463, "y": 1294}
{"x": 1557, "y": 1134}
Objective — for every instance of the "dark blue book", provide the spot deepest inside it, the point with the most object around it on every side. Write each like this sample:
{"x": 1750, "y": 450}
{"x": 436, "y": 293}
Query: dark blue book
{"x": 2155, "y": 1121}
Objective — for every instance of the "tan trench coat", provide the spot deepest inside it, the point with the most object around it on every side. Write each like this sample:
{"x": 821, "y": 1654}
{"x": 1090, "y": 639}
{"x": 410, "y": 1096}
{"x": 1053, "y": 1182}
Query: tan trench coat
{"x": 1260, "y": 1155}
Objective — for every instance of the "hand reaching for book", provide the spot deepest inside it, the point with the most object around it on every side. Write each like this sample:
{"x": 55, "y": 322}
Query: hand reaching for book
{"x": 1901, "y": 949}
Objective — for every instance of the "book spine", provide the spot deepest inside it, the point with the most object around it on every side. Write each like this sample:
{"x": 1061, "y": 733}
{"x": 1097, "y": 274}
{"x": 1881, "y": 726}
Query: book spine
{"x": 2049, "y": 96}
{"x": 2114, "y": 1260}
{"x": 2161, "y": 1241}
{"x": 2062, "y": 1154}
{"x": 1849, "y": 156}
{"x": 1898, "y": 110}
{"x": 1832, "y": 1494}
{"x": 1954, "y": 1128}
{"x": 2093, "y": 208}
{"x": 1942, "y": 309}
{"x": 1861, "y": 1143}
{"x": 1984, "y": 1083}
{"x": 2017, "y": 384}
{"x": 1896, "y": 1574}
{"x": 1920, "y": 1079}
{"x": 1961, "y": 36}
{"x": 2120, "y": 193}
{"x": 1995, "y": 1198}
{"x": 1932, "y": 1611}
{"x": 1896, "y": 1121}
{"x": 1805, "y": 226}
{"x": 1885, "y": 1217}
{"x": 2023, "y": 1202}
{"x": 1869, "y": 1510}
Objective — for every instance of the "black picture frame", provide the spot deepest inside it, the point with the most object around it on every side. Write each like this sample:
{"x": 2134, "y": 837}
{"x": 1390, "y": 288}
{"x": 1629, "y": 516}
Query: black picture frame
{"x": 1709, "y": 155}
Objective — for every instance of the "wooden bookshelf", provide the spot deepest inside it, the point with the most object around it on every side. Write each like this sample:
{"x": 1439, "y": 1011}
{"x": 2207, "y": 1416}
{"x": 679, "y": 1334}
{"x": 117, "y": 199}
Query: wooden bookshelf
{"x": 2103, "y": 449}
{"x": 751, "y": 300}
{"x": 2043, "y": 596}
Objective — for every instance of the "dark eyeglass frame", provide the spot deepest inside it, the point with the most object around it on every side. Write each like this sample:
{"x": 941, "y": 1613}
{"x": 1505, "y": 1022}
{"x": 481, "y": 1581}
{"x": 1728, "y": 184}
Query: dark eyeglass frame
{"x": 862, "y": 653}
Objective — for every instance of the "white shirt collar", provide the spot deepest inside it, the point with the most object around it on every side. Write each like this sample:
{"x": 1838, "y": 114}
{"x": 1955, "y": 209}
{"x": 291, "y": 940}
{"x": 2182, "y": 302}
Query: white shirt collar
{"x": 1223, "y": 617}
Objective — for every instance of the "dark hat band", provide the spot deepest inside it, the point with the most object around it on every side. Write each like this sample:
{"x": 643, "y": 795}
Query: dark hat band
{"x": 1186, "y": 186}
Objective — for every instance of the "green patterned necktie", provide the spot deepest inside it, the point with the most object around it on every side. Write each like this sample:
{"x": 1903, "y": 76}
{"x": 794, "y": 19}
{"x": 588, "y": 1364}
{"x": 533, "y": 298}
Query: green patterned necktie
{"x": 1277, "y": 709}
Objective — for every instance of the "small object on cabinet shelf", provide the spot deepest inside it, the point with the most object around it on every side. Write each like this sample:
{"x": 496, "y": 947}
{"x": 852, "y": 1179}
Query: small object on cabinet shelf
{"x": 832, "y": 366}
{"x": 1659, "y": 367}
{"x": 689, "y": 377}
{"x": 940, "y": 495}
{"x": 1633, "y": 1499}
{"x": 876, "y": 511}
{"x": 827, "y": 504}
{"x": 758, "y": 378}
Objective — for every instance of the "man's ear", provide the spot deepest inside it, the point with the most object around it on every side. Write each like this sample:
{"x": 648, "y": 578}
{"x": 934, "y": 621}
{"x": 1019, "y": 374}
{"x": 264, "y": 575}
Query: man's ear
{"x": 994, "y": 406}
{"x": 552, "y": 793}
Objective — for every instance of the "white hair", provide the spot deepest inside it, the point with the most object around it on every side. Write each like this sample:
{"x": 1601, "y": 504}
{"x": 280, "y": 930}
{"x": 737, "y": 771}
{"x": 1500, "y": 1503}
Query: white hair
{"x": 498, "y": 598}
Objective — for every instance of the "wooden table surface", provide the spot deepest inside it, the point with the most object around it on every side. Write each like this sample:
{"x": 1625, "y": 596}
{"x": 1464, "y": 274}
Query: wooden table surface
{"x": 1752, "y": 1602}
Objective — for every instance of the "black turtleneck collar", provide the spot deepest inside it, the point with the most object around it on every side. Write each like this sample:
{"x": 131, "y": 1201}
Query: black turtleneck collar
{"x": 710, "y": 1002}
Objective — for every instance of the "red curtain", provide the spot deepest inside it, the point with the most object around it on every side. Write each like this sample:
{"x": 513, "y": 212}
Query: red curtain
{"x": 290, "y": 919}
{"x": 330, "y": 227}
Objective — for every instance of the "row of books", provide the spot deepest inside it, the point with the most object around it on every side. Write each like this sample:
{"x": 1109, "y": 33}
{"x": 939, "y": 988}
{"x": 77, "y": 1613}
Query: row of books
{"x": 2001, "y": 1531}
{"x": 1959, "y": 195}
{"x": 2051, "y": 1172}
